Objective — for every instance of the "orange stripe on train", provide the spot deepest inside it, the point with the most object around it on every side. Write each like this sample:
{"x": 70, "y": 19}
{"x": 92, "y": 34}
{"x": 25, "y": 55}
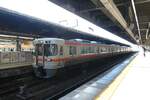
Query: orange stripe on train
{"x": 68, "y": 58}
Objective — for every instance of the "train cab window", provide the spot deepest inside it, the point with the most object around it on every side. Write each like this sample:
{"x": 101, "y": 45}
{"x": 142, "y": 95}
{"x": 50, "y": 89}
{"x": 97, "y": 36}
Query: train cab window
{"x": 72, "y": 50}
{"x": 61, "y": 51}
{"x": 53, "y": 49}
{"x": 50, "y": 49}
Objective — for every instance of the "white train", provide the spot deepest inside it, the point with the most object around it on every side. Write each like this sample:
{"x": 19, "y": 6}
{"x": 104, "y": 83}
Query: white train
{"x": 53, "y": 54}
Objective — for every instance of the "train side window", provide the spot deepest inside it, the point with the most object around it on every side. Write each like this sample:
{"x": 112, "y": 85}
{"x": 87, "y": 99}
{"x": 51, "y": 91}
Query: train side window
{"x": 72, "y": 50}
{"x": 97, "y": 49}
{"x": 82, "y": 50}
{"x": 110, "y": 50}
{"x": 106, "y": 50}
{"x": 86, "y": 50}
{"x": 103, "y": 49}
{"x": 92, "y": 49}
{"x": 61, "y": 51}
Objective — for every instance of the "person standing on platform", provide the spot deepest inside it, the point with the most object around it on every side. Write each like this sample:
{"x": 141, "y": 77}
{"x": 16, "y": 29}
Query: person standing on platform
{"x": 144, "y": 51}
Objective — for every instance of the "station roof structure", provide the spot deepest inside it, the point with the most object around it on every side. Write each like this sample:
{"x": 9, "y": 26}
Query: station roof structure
{"x": 121, "y": 22}
{"x": 21, "y": 25}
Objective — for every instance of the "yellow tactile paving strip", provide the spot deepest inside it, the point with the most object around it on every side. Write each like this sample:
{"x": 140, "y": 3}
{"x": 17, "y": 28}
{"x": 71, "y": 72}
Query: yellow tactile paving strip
{"x": 109, "y": 91}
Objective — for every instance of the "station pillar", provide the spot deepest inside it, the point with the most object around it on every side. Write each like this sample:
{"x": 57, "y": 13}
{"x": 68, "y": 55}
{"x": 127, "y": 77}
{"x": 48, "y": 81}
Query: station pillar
{"x": 18, "y": 44}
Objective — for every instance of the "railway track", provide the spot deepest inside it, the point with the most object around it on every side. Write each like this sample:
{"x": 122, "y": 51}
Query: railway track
{"x": 15, "y": 71}
{"x": 32, "y": 88}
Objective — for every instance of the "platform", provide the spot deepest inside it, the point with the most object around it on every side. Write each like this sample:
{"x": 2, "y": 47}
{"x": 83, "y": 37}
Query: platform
{"x": 133, "y": 83}
{"x": 15, "y": 65}
{"x": 96, "y": 86}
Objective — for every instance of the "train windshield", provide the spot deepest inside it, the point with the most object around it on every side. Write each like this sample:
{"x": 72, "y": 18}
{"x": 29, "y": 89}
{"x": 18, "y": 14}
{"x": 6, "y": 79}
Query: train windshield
{"x": 50, "y": 49}
{"x": 46, "y": 49}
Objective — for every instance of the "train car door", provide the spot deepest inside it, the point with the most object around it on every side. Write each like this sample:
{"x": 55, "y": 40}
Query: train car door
{"x": 39, "y": 54}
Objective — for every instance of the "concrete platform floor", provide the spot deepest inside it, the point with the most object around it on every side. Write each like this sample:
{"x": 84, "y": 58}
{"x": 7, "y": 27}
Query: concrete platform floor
{"x": 133, "y": 83}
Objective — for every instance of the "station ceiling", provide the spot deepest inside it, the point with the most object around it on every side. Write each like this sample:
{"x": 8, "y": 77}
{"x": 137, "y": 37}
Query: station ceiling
{"x": 98, "y": 13}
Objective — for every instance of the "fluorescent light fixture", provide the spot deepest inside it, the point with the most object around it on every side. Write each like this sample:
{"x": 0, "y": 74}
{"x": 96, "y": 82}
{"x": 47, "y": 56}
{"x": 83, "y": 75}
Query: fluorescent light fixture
{"x": 50, "y": 12}
{"x": 7, "y": 36}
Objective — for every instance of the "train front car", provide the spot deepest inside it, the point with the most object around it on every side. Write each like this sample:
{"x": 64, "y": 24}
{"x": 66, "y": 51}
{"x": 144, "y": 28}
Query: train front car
{"x": 46, "y": 56}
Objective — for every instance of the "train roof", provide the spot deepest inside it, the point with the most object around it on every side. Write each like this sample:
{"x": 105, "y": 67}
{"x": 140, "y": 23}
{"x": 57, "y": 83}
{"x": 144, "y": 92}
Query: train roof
{"x": 45, "y": 39}
{"x": 49, "y": 40}
{"x": 72, "y": 41}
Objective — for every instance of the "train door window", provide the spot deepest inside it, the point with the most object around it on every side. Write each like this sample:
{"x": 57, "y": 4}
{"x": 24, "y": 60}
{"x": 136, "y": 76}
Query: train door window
{"x": 46, "y": 49}
{"x": 61, "y": 51}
